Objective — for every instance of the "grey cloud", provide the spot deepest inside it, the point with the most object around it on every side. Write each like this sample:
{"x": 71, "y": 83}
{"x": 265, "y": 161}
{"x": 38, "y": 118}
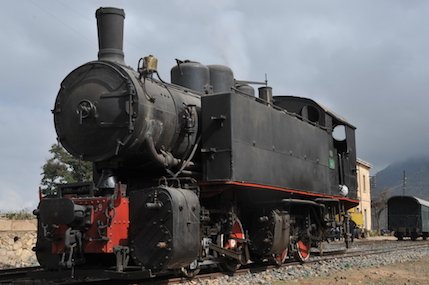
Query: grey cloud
{"x": 366, "y": 60}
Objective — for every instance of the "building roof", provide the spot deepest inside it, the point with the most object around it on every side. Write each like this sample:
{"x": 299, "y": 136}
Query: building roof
{"x": 363, "y": 162}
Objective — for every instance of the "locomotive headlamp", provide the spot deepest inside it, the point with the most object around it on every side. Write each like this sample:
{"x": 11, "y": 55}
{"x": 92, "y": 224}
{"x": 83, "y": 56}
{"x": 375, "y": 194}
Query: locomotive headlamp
{"x": 151, "y": 63}
{"x": 147, "y": 65}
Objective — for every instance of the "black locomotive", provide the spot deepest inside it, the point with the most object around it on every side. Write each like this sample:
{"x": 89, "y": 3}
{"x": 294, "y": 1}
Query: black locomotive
{"x": 194, "y": 172}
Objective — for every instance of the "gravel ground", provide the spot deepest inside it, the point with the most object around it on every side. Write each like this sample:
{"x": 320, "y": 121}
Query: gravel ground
{"x": 403, "y": 273}
{"x": 335, "y": 271}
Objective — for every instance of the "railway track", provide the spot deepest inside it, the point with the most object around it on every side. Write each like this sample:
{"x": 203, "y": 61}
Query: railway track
{"x": 36, "y": 275}
{"x": 12, "y": 274}
{"x": 332, "y": 254}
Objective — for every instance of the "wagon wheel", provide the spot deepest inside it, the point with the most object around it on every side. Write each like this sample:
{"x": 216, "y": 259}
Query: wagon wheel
{"x": 279, "y": 258}
{"x": 232, "y": 243}
{"x": 302, "y": 250}
{"x": 399, "y": 236}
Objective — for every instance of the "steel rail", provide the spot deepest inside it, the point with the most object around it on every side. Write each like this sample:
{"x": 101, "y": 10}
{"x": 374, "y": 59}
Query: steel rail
{"x": 24, "y": 276}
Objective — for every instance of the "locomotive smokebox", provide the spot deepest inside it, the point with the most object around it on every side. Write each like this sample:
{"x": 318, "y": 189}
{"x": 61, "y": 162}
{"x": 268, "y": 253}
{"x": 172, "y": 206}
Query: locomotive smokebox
{"x": 110, "y": 25}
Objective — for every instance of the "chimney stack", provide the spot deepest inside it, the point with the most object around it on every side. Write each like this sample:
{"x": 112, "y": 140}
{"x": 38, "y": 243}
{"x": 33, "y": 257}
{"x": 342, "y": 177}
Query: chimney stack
{"x": 266, "y": 94}
{"x": 110, "y": 25}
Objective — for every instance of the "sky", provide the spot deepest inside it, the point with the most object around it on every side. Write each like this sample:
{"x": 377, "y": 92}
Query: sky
{"x": 365, "y": 60}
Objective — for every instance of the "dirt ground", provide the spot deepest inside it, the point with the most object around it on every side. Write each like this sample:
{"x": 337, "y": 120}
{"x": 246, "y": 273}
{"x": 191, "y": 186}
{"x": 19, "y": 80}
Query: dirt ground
{"x": 410, "y": 273}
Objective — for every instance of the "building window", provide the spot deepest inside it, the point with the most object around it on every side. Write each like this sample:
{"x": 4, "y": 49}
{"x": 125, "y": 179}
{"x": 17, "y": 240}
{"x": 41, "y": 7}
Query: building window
{"x": 364, "y": 184}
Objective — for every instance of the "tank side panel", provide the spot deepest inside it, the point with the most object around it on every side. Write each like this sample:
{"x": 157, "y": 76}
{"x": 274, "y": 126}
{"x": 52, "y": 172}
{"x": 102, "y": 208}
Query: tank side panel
{"x": 273, "y": 148}
{"x": 266, "y": 146}
{"x": 216, "y": 137}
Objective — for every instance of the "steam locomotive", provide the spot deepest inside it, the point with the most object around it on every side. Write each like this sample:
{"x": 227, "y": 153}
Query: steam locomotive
{"x": 196, "y": 172}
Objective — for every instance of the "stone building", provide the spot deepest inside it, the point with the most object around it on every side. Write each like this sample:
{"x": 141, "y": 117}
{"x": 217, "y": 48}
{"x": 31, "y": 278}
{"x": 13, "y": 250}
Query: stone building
{"x": 17, "y": 239}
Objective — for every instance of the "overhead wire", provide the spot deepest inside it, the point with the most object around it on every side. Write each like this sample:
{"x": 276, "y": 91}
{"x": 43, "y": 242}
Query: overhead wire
{"x": 55, "y": 17}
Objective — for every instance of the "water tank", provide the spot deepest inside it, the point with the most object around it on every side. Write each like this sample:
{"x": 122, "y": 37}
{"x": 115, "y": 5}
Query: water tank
{"x": 246, "y": 89}
{"x": 221, "y": 78}
{"x": 192, "y": 75}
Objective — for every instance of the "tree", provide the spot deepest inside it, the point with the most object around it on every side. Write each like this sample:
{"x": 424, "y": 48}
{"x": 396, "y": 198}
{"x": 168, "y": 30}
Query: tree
{"x": 62, "y": 167}
{"x": 379, "y": 205}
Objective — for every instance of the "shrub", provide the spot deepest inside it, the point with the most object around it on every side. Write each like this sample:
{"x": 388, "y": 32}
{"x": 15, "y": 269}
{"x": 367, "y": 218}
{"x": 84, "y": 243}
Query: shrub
{"x": 18, "y": 215}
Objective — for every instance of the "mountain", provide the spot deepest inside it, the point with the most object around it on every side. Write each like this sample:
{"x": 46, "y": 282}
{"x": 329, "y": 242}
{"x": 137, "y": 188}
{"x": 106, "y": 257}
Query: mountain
{"x": 391, "y": 178}
{"x": 390, "y": 181}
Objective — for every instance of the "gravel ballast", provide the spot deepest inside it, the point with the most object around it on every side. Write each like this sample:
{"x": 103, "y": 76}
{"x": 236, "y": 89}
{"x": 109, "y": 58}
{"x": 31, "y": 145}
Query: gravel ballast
{"x": 320, "y": 268}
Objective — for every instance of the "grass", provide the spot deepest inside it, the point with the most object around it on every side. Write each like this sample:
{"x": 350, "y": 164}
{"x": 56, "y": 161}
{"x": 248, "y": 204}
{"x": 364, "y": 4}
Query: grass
{"x": 17, "y": 215}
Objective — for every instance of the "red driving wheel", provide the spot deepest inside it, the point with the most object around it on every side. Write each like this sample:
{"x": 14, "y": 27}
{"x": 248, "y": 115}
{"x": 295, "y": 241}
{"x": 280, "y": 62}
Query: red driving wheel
{"x": 279, "y": 258}
{"x": 302, "y": 250}
{"x": 233, "y": 242}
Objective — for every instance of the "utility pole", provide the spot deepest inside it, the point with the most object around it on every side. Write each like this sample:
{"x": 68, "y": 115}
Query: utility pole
{"x": 404, "y": 183}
